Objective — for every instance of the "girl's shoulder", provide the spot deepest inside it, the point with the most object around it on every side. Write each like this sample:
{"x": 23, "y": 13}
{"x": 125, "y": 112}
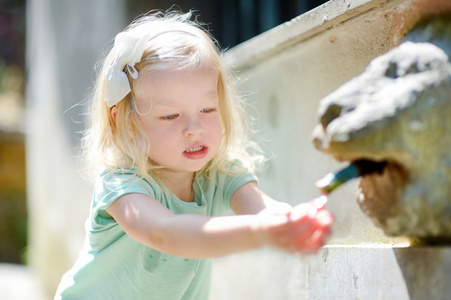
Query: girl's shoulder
{"x": 123, "y": 174}
{"x": 120, "y": 179}
{"x": 114, "y": 183}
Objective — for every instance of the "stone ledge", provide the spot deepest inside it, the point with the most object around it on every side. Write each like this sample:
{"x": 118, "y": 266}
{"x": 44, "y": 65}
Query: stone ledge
{"x": 300, "y": 28}
{"x": 336, "y": 272}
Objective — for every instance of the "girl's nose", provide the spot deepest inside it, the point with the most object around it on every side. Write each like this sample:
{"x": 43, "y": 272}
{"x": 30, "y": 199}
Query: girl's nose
{"x": 194, "y": 127}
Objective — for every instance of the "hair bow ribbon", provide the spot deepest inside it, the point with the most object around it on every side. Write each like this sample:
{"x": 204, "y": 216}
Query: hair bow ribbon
{"x": 129, "y": 50}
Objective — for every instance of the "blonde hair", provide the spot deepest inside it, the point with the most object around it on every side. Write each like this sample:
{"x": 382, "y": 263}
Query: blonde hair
{"x": 175, "y": 41}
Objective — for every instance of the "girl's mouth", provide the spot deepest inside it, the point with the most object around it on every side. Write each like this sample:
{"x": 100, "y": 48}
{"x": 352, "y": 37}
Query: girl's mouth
{"x": 190, "y": 150}
{"x": 198, "y": 152}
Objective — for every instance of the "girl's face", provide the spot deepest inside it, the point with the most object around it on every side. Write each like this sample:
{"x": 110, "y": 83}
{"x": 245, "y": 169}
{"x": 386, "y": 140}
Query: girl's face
{"x": 180, "y": 115}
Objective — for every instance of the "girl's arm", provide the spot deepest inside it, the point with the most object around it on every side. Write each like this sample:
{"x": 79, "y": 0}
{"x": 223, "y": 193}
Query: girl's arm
{"x": 192, "y": 236}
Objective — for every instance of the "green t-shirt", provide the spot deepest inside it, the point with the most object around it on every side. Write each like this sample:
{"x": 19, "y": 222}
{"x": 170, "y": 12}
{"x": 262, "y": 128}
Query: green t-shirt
{"x": 114, "y": 266}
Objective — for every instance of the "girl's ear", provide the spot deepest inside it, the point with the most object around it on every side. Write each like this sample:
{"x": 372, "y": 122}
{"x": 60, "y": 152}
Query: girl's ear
{"x": 114, "y": 110}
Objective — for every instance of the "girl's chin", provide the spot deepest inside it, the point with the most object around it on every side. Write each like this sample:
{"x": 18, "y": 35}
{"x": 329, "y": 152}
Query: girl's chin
{"x": 193, "y": 168}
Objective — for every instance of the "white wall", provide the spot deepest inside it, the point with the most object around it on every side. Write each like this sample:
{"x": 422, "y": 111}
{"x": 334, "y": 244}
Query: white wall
{"x": 285, "y": 86}
{"x": 64, "y": 41}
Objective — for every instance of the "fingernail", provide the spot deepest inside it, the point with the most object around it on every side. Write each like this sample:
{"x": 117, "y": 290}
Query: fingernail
{"x": 320, "y": 201}
{"x": 312, "y": 212}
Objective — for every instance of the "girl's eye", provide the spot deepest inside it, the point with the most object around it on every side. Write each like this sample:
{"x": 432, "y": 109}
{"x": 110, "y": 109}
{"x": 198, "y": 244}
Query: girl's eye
{"x": 208, "y": 110}
{"x": 170, "y": 117}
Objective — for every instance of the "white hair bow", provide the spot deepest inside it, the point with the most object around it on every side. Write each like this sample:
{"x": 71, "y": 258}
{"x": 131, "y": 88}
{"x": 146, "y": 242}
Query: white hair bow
{"x": 129, "y": 50}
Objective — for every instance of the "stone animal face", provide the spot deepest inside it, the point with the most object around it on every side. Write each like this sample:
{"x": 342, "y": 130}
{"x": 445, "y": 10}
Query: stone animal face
{"x": 399, "y": 111}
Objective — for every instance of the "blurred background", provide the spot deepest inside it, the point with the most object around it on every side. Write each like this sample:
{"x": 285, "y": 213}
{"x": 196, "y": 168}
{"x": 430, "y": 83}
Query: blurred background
{"x": 13, "y": 208}
{"x": 24, "y": 171}
{"x": 231, "y": 22}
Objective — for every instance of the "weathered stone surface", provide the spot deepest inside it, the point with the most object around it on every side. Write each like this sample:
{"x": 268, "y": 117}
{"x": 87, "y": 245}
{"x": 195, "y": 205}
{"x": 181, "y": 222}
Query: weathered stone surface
{"x": 398, "y": 110}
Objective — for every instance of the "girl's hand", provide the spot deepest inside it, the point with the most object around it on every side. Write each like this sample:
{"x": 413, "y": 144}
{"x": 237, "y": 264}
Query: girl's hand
{"x": 304, "y": 229}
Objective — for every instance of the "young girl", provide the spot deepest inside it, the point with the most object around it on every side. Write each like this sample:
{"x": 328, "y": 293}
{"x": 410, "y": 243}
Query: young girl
{"x": 168, "y": 135}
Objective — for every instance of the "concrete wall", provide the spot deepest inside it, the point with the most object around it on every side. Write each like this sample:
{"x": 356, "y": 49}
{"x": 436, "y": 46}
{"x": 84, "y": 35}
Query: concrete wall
{"x": 286, "y": 71}
{"x": 309, "y": 58}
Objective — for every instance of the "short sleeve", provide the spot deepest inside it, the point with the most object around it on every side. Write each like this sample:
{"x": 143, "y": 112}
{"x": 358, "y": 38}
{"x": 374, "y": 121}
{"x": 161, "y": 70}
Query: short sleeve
{"x": 239, "y": 177}
{"x": 112, "y": 185}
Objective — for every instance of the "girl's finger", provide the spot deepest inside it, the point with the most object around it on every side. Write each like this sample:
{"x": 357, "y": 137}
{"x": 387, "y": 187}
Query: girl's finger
{"x": 302, "y": 232}
{"x": 320, "y": 202}
{"x": 303, "y": 212}
{"x": 315, "y": 236}
{"x": 324, "y": 219}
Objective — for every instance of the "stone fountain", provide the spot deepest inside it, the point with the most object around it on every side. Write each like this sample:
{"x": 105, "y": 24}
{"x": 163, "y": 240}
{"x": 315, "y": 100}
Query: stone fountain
{"x": 399, "y": 111}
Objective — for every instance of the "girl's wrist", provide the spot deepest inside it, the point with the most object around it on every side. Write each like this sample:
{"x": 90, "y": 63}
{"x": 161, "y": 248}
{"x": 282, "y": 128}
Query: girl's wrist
{"x": 257, "y": 230}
